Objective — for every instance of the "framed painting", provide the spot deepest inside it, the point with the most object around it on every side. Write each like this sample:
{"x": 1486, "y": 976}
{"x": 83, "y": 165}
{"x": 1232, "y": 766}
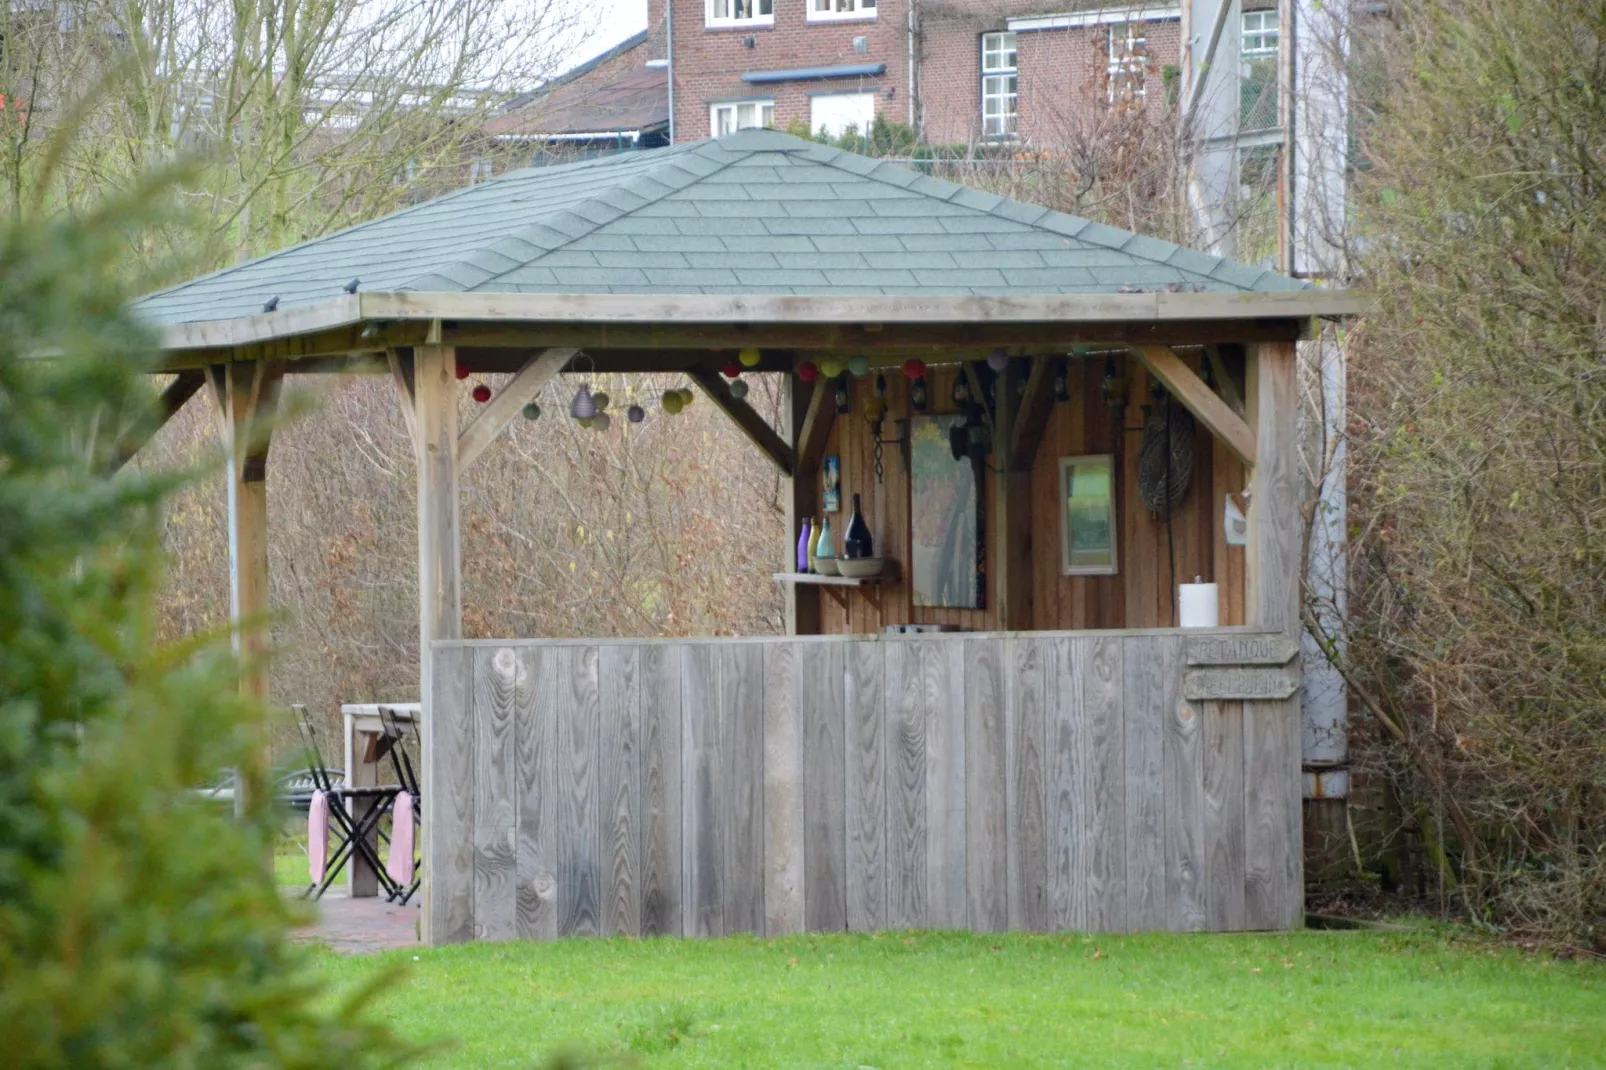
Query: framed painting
{"x": 945, "y": 519}
{"x": 1087, "y": 519}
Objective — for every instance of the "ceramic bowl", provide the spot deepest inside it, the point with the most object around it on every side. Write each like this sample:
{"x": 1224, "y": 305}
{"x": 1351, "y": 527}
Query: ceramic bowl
{"x": 859, "y": 568}
{"x": 826, "y": 566}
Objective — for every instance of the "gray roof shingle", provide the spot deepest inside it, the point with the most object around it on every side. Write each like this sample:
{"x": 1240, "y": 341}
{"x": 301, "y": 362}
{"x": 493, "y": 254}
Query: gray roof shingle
{"x": 757, "y": 211}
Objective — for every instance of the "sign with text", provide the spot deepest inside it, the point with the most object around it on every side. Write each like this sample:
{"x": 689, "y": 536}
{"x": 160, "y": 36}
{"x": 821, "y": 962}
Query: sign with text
{"x": 1239, "y": 684}
{"x": 1274, "y": 649}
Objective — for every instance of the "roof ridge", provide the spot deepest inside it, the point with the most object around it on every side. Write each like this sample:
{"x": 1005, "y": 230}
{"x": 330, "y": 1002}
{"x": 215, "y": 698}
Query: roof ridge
{"x": 688, "y": 148}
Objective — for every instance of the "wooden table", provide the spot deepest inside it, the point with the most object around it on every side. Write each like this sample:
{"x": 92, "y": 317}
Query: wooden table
{"x": 362, "y": 731}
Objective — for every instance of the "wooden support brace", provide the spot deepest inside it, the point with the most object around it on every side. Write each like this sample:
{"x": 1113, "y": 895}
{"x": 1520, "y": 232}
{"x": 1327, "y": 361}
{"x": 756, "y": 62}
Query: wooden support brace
{"x": 754, "y": 426}
{"x": 496, "y": 414}
{"x": 1200, "y": 400}
{"x": 1031, "y": 419}
{"x": 183, "y": 387}
{"x": 816, "y": 430}
{"x": 401, "y": 373}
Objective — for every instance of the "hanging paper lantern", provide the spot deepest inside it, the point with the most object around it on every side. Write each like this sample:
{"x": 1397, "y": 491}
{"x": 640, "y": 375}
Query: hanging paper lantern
{"x": 686, "y": 396}
{"x": 749, "y": 358}
{"x": 998, "y": 361}
{"x": 582, "y": 407}
{"x": 859, "y": 366}
{"x": 600, "y": 399}
{"x": 670, "y": 401}
{"x": 461, "y": 370}
{"x": 807, "y": 371}
{"x": 914, "y": 368}
{"x": 636, "y": 414}
{"x": 585, "y": 421}
{"x": 830, "y": 368}
{"x": 532, "y": 411}
{"x": 601, "y": 421}
{"x": 738, "y": 390}
{"x": 482, "y": 393}
{"x": 731, "y": 371}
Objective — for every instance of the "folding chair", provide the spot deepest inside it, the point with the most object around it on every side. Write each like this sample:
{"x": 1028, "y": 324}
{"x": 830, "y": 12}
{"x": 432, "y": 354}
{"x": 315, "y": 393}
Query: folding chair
{"x": 353, "y": 831}
{"x": 393, "y": 742}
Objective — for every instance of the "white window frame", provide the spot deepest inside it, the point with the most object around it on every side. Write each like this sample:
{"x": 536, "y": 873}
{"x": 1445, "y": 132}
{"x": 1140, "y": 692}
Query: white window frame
{"x": 839, "y": 10}
{"x": 714, "y": 20}
{"x": 735, "y": 107}
{"x": 1129, "y": 60}
{"x": 1263, "y": 26}
{"x": 1000, "y": 81}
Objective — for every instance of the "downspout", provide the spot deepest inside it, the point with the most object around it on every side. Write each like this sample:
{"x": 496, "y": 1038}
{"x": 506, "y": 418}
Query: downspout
{"x": 669, "y": 63}
{"x": 910, "y": 85}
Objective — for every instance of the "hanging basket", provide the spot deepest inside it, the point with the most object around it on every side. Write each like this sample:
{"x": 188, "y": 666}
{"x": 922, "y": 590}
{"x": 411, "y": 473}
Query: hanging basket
{"x": 1163, "y": 466}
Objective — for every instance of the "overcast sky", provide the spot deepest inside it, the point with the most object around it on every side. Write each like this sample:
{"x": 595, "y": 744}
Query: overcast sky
{"x": 614, "y": 21}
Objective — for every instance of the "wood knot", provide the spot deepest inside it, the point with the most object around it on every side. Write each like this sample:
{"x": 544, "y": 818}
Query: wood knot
{"x": 504, "y": 662}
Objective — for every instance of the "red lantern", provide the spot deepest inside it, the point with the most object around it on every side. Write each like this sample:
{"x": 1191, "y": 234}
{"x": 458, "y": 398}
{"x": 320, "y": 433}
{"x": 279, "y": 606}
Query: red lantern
{"x": 914, "y": 369}
{"x": 482, "y": 393}
{"x": 462, "y": 370}
{"x": 807, "y": 371}
{"x": 731, "y": 371}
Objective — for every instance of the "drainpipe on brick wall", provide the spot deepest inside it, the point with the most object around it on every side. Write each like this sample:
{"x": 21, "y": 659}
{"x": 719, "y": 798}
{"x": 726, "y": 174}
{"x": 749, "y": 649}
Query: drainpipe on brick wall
{"x": 669, "y": 63}
{"x": 909, "y": 86}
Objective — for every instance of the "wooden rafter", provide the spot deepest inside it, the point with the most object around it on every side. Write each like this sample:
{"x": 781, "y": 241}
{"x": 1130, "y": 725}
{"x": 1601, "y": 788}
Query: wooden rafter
{"x": 496, "y": 414}
{"x": 754, "y": 426}
{"x": 184, "y": 386}
{"x": 1200, "y": 400}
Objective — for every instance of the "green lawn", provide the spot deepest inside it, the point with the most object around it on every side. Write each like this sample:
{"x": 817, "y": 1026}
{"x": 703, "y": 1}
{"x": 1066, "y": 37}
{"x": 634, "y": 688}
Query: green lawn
{"x": 1310, "y": 999}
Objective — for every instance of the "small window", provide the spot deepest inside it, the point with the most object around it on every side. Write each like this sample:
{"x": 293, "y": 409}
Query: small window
{"x": 1260, "y": 33}
{"x": 740, "y": 115}
{"x": 741, "y": 13}
{"x": 1129, "y": 62}
{"x": 841, "y": 9}
{"x": 998, "y": 85}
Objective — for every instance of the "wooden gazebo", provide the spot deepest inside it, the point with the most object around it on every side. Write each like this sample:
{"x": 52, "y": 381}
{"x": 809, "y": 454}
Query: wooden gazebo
{"x": 1062, "y": 755}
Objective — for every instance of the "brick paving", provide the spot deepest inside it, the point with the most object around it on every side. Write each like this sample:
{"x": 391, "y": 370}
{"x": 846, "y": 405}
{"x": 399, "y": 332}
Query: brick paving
{"x": 363, "y": 926}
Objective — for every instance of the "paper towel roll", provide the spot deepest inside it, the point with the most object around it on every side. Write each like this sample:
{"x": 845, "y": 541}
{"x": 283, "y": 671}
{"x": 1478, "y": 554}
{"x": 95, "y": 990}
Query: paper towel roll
{"x": 1198, "y": 602}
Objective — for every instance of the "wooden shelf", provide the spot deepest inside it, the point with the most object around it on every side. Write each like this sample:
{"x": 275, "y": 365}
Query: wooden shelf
{"x": 831, "y": 584}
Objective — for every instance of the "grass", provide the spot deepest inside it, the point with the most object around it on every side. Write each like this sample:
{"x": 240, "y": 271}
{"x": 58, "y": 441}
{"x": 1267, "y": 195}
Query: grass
{"x": 1309, "y": 999}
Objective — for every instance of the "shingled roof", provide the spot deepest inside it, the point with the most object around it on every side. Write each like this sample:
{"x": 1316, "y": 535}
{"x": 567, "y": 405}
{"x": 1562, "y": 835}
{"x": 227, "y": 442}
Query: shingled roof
{"x": 756, "y": 212}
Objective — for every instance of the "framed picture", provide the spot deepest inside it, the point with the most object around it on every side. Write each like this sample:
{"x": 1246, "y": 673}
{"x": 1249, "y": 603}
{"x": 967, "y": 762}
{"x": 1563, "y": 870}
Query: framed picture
{"x": 1087, "y": 522}
{"x": 945, "y": 520}
{"x": 832, "y": 474}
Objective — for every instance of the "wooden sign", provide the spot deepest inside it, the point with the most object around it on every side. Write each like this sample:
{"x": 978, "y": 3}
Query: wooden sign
{"x": 1274, "y": 649}
{"x": 1233, "y": 685}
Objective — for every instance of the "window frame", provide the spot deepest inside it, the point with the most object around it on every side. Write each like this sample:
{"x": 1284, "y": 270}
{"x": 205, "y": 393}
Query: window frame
{"x": 861, "y": 10}
{"x": 1001, "y": 74}
{"x": 731, "y": 22}
{"x": 1121, "y": 67}
{"x": 1261, "y": 32}
{"x": 735, "y": 106}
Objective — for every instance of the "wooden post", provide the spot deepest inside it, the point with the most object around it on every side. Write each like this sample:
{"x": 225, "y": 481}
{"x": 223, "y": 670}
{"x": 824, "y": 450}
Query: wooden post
{"x": 1272, "y": 561}
{"x": 440, "y": 602}
{"x": 798, "y": 493}
{"x": 1012, "y": 507}
{"x": 247, "y": 396}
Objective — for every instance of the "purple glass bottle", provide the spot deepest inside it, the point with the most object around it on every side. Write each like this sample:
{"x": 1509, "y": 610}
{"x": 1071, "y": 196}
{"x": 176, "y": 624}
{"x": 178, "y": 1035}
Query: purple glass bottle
{"x": 803, "y": 544}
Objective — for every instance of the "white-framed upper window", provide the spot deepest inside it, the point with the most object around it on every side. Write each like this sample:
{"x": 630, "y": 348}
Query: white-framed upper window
{"x": 740, "y": 115}
{"x": 1129, "y": 62}
{"x": 841, "y": 9}
{"x": 1260, "y": 33}
{"x": 741, "y": 13}
{"x": 999, "y": 84}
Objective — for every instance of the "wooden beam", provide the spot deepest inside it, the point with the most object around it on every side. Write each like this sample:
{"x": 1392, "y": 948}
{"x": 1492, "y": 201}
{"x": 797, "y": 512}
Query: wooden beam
{"x": 754, "y": 426}
{"x": 815, "y": 431}
{"x": 1272, "y": 559}
{"x": 1031, "y": 419}
{"x": 1227, "y": 380}
{"x": 401, "y": 374}
{"x": 1200, "y": 400}
{"x": 496, "y": 414}
{"x": 1011, "y": 551}
{"x": 184, "y": 386}
{"x": 440, "y": 616}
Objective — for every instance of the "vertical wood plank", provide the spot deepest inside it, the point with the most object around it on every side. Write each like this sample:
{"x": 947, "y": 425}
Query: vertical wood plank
{"x": 1184, "y": 801}
{"x": 495, "y": 834}
{"x": 1273, "y": 863}
{"x": 783, "y": 791}
{"x": 1070, "y": 872}
{"x": 579, "y": 811}
{"x": 619, "y": 786}
{"x": 535, "y": 740}
{"x": 942, "y": 683}
{"x": 986, "y": 825}
{"x": 824, "y": 791}
{"x": 1146, "y": 712}
{"x": 449, "y": 764}
{"x": 1274, "y": 521}
{"x": 864, "y": 719}
{"x": 1224, "y": 816}
{"x": 704, "y": 894}
{"x": 1100, "y": 663}
{"x": 741, "y": 742}
{"x": 906, "y": 786}
{"x": 661, "y": 790}
{"x": 1027, "y": 841}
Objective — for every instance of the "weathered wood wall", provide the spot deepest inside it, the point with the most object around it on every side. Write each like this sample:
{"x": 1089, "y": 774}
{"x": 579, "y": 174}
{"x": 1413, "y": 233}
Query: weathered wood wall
{"x": 1140, "y": 596}
{"x": 986, "y": 782}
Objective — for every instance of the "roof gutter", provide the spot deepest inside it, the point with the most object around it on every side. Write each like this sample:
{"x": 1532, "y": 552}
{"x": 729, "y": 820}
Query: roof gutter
{"x": 815, "y": 74}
